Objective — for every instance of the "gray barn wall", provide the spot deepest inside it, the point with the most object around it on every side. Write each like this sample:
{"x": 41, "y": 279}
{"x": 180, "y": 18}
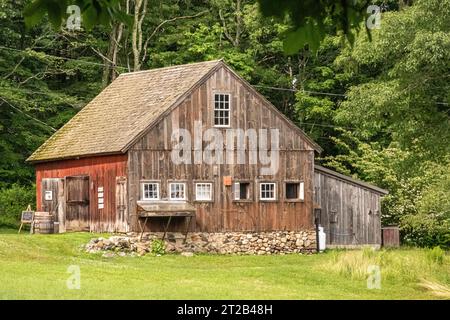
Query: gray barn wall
{"x": 350, "y": 213}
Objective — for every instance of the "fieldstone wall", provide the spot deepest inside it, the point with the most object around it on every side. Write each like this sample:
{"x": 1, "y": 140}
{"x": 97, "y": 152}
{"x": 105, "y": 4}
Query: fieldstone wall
{"x": 248, "y": 243}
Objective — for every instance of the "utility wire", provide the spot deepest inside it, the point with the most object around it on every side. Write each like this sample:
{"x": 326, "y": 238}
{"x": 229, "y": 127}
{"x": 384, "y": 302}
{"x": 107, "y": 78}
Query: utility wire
{"x": 318, "y": 92}
{"x": 306, "y": 91}
{"x": 255, "y": 85}
{"x": 27, "y": 115}
{"x": 65, "y": 58}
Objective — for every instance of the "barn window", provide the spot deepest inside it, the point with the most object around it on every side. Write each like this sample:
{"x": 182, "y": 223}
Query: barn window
{"x": 203, "y": 191}
{"x": 221, "y": 110}
{"x": 242, "y": 191}
{"x": 177, "y": 191}
{"x": 295, "y": 191}
{"x": 150, "y": 191}
{"x": 267, "y": 191}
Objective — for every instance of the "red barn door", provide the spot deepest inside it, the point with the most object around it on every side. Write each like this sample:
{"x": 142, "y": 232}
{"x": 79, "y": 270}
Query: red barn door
{"x": 77, "y": 203}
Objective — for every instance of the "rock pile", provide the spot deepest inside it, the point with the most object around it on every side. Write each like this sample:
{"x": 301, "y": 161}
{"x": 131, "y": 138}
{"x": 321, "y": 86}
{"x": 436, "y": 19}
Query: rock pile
{"x": 261, "y": 243}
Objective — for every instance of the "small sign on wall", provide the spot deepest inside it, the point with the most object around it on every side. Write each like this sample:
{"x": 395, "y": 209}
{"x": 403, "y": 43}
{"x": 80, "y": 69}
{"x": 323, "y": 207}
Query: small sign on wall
{"x": 100, "y": 197}
{"x": 48, "y": 195}
{"x": 227, "y": 180}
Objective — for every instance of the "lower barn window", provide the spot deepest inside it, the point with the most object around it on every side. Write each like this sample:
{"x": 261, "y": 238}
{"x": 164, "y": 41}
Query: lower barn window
{"x": 203, "y": 191}
{"x": 150, "y": 191}
{"x": 267, "y": 191}
{"x": 295, "y": 191}
{"x": 242, "y": 191}
{"x": 177, "y": 191}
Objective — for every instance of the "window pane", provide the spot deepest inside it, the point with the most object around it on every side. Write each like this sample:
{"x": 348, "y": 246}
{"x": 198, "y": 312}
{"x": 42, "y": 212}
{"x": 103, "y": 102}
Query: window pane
{"x": 151, "y": 191}
{"x": 267, "y": 191}
{"x": 203, "y": 191}
{"x": 221, "y": 109}
{"x": 292, "y": 190}
{"x": 177, "y": 191}
{"x": 244, "y": 190}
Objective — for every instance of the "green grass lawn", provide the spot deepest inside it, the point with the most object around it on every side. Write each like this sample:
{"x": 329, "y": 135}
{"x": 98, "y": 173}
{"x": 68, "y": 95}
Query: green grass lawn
{"x": 35, "y": 267}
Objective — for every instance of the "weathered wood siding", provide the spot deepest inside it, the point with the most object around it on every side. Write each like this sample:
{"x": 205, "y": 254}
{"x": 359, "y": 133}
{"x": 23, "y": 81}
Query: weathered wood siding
{"x": 390, "y": 236}
{"x": 150, "y": 159}
{"x": 350, "y": 213}
{"x": 102, "y": 172}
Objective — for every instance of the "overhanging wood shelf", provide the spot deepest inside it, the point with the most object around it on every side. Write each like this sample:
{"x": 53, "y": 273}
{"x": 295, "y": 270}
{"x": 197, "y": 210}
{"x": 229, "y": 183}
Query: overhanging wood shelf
{"x": 168, "y": 209}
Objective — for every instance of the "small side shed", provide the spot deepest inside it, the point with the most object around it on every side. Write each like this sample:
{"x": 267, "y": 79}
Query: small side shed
{"x": 350, "y": 210}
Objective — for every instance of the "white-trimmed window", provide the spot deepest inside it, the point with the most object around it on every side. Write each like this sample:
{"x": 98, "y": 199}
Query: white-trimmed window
{"x": 295, "y": 191}
{"x": 203, "y": 191}
{"x": 150, "y": 191}
{"x": 177, "y": 191}
{"x": 268, "y": 191}
{"x": 221, "y": 110}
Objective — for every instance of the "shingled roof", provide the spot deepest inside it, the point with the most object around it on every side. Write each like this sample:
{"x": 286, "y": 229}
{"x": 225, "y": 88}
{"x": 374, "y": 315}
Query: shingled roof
{"x": 121, "y": 111}
{"x": 124, "y": 110}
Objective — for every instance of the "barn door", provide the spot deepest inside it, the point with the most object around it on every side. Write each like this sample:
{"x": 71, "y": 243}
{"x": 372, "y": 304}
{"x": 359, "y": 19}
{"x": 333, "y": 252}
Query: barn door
{"x": 77, "y": 203}
{"x": 52, "y": 199}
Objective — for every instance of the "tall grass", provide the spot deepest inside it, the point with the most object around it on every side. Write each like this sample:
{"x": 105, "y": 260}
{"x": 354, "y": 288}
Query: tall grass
{"x": 427, "y": 268}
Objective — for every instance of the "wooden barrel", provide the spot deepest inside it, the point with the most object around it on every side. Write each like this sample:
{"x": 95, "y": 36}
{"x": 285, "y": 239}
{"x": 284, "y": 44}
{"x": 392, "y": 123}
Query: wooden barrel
{"x": 43, "y": 222}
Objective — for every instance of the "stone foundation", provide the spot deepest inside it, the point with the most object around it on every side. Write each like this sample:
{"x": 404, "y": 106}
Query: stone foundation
{"x": 241, "y": 243}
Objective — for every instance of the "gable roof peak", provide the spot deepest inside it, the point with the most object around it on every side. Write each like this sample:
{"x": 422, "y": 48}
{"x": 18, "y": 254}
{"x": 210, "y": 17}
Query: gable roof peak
{"x": 171, "y": 67}
{"x": 128, "y": 107}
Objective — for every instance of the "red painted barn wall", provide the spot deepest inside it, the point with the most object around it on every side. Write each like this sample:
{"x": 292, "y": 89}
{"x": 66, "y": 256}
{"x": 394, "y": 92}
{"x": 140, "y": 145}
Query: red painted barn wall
{"x": 102, "y": 171}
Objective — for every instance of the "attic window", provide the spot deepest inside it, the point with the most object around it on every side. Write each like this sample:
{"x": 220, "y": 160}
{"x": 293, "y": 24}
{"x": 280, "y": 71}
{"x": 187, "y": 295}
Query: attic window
{"x": 221, "y": 110}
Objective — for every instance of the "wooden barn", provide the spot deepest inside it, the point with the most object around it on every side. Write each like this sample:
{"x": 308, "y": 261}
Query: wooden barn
{"x": 113, "y": 167}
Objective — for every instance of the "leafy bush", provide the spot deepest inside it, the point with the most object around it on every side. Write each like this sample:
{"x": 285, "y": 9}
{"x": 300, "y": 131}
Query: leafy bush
{"x": 425, "y": 231}
{"x": 158, "y": 247}
{"x": 13, "y": 201}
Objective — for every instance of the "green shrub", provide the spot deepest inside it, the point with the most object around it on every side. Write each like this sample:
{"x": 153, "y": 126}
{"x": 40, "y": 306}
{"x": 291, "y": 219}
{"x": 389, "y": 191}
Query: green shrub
{"x": 13, "y": 201}
{"x": 425, "y": 230}
{"x": 436, "y": 255}
{"x": 158, "y": 247}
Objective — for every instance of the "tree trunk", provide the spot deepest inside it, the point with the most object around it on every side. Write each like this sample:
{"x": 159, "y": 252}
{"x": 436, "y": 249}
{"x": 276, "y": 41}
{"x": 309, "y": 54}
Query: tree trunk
{"x": 110, "y": 72}
{"x": 140, "y": 10}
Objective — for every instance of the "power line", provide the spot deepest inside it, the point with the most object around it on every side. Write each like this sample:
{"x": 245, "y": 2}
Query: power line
{"x": 301, "y": 90}
{"x": 255, "y": 85}
{"x": 29, "y": 116}
{"x": 65, "y": 58}
{"x": 327, "y": 125}
{"x": 49, "y": 94}
{"x": 318, "y": 92}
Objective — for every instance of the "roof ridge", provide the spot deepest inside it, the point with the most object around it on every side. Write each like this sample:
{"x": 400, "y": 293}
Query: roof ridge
{"x": 170, "y": 67}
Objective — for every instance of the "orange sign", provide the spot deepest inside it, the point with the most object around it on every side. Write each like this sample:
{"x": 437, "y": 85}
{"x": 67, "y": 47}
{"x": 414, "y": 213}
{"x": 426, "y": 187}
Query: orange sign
{"x": 227, "y": 180}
